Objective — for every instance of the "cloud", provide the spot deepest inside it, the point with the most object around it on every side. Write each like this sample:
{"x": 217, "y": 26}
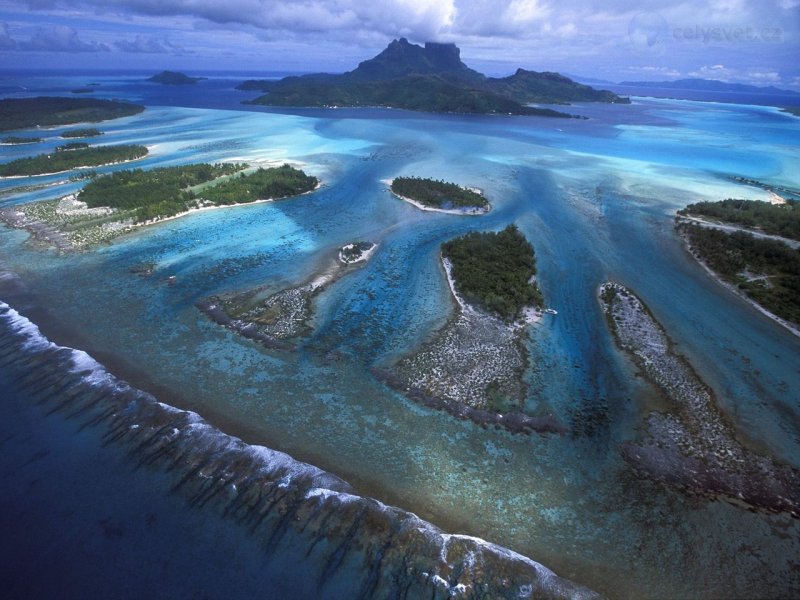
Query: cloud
{"x": 58, "y": 38}
{"x": 145, "y": 44}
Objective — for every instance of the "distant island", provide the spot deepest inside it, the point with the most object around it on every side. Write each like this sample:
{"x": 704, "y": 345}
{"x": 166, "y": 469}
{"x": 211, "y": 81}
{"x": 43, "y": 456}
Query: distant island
{"x": 45, "y": 111}
{"x": 113, "y": 204}
{"x": 710, "y": 85}
{"x": 430, "y": 78}
{"x": 81, "y": 133}
{"x": 751, "y": 246}
{"x": 440, "y": 196}
{"x": 70, "y": 157}
{"x": 174, "y": 78}
{"x": 14, "y": 140}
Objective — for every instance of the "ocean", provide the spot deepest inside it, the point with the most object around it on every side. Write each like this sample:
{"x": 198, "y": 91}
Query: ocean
{"x": 84, "y": 515}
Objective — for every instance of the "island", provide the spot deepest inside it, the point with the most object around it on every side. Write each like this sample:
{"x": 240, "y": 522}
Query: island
{"x": 113, "y": 204}
{"x": 174, "y": 78}
{"x": 15, "y": 140}
{"x": 440, "y": 196}
{"x": 47, "y": 111}
{"x": 691, "y": 446}
{"x": 72, "y": 146}
{"x": 276, "y": 318}
{"x": 753, "y": 248}
{"x": 778, "y": 218}
{"x": 65, "y": 159}
{"x": 472, "y": 367}
{"x": 86, "y": 132}
{"x": 431, "y": 78}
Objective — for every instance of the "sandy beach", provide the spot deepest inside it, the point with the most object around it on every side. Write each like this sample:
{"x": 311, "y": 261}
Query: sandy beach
{"x": 470, "y": 212}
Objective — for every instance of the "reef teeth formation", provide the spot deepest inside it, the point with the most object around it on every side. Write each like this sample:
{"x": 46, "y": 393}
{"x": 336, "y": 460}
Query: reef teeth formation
{"x": 693, "y": 448}
{"x": 393, "y": 553}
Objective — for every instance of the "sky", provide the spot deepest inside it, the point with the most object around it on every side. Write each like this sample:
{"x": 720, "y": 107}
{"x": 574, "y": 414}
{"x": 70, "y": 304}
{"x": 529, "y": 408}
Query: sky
{"x": 745, "y": 41}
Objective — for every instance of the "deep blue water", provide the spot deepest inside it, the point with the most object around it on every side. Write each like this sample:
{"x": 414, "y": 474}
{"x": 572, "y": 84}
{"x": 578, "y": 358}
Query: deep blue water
{"x": 596, "y": 198}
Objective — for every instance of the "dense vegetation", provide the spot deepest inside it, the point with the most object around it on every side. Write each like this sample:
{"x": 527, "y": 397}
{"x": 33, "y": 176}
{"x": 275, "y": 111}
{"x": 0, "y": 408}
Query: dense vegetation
{"x": 493, "y": 271}
{"x": 167, "y": 191}
{"x": 438, "y": 194}
{"x": 82, "y": 133}
{"x": 57, "y": 162}
{"x": 775, "y": 219}
{"x": 158, "y": 193}
{"x": 19, "y": 113}
{"x": 768, "y": 271}
{"x": 72, "y": 146}
{"x": 13, "y": 139}
{"x": 429, "y": 78}
{"x": 263, "y": 184}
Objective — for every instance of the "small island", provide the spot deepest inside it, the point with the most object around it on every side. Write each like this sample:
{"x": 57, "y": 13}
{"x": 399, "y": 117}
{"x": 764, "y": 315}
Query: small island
{"x": 113, "y": 204}
{"x": 440, "y": 196}
{"x": 15, "y": 140}
{"x": 86, "y": 132}
{"x": 277, "y": 318}
{"x": 356, "y": 252}
{"x": 174, "y": 78}
{"x": 692, "y": 446}
{"x": 77, "y": 157}
{"x": 472, "y": 367}
{"x": 46, "y": 111}
{"x": 753, "y": 248}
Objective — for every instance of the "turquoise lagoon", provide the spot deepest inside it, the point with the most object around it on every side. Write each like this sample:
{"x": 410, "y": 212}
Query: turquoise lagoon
{"x": 596, "y": 197}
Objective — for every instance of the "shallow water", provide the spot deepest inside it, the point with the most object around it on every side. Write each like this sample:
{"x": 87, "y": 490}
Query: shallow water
{"x": 595, "y": 197}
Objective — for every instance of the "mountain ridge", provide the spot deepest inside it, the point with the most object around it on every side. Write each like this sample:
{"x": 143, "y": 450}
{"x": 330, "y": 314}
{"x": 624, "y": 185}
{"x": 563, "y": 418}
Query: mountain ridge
{"x": 428, "y": 78}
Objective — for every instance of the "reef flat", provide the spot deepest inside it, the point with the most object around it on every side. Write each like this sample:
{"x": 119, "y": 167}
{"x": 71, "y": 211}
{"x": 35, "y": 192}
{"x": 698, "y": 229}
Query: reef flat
{"x": 693, "y": 447}
{"x": 374, "y": 550}
{"x": 274, "y": 318}
{"x": 472, "y": 368}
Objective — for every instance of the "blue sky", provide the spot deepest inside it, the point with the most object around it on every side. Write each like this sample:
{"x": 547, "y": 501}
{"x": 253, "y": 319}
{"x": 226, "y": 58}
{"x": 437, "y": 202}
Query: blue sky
{"x": 749, "y": 41}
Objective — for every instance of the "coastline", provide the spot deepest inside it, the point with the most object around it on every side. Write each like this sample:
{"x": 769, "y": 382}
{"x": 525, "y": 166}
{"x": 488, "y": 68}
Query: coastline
{"x": 472, "y": 369}
{"x": 792, "y": 328}
{"x": 90, "y": 167}
{"x": 269, "y": 492}
{"x": 464, "y": 212}
{"x": 46, "y": 232}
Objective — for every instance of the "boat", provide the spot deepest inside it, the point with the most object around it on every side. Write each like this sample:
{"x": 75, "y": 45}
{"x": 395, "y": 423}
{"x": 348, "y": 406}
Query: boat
{"x": 551, "y": 311}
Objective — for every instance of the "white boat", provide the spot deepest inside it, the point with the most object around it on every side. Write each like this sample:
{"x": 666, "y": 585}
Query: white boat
{"x": 551, "y": 311}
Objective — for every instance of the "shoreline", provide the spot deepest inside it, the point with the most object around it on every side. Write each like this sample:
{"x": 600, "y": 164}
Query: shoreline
{"x": 790, "y": 327}
{"x": 90, "y": 167}
{"x": 472, "y": 368}
{"x": 44, "y": 231}
{"x": 268, "y": 491}
{"x": 693, "y": 446}
{"x": 465, "y": 212}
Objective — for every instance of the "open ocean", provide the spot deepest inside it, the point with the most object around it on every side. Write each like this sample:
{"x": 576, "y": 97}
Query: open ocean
{"x": 82, "y": 514}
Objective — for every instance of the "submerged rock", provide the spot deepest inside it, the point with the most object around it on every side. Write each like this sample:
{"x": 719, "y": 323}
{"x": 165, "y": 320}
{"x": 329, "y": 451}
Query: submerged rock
{"x": 355, "y": 545}
{"x": 693, "y": 447}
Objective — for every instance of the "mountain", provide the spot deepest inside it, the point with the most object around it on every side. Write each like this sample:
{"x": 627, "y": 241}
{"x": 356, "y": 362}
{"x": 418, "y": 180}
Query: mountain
{"x": 174, "y": 78}
{"x": 710, "y": 85}
{"x": 428, "y": 78}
